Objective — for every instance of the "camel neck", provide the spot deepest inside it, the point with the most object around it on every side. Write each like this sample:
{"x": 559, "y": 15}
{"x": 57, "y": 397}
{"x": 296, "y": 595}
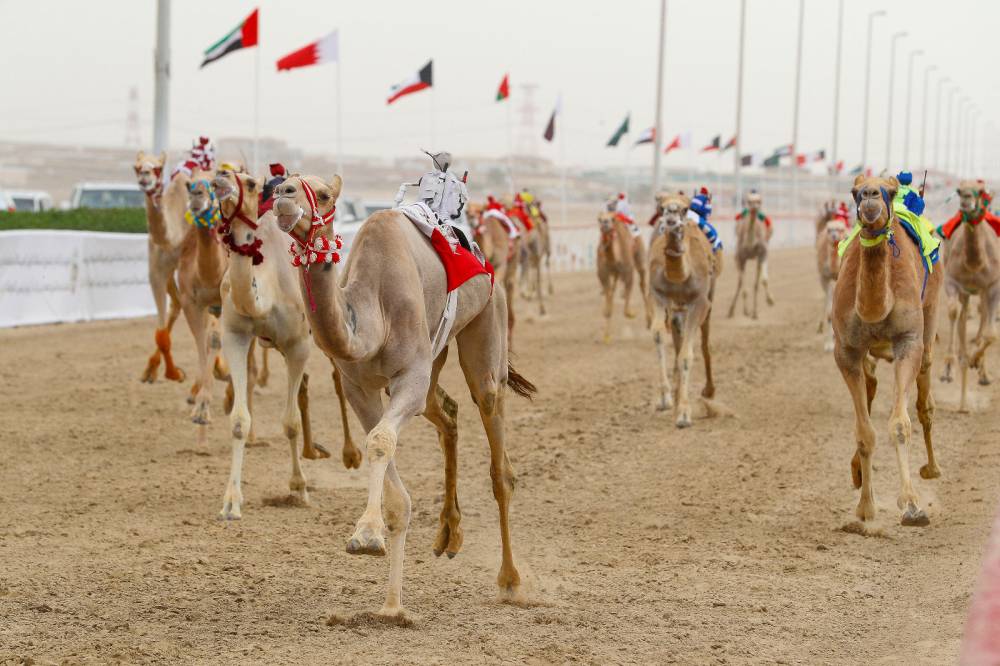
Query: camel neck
{"x": 165, "y": 214}
{"x": 975, "y": 246}
{"x": 251, "y": 297}
{"x": 676, "y": 266}
{"x": 210, "y": 259}
{"x": 874, "y": 298}
{"x": 833, "y": 256}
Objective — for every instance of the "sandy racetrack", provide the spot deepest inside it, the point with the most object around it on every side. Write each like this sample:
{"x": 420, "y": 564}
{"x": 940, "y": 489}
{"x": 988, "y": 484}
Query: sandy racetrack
{"x": 640, "y": 543}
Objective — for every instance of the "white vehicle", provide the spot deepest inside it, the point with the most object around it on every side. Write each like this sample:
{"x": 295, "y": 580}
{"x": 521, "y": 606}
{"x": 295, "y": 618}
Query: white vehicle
{"x": 107, "y": 195}
{"x": 32, "y": 202}
{"x": 6, "y": 203}
{"x": 371, "y": 207}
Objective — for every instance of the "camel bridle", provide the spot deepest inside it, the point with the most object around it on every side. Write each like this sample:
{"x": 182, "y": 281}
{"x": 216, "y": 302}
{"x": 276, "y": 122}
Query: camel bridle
{"x": 314, "y": 249}
{"x": 251, "y": 249}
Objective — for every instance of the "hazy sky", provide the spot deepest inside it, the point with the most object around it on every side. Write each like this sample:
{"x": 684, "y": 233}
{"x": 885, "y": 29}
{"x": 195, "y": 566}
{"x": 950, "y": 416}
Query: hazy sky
{"x": 68, "y": 67}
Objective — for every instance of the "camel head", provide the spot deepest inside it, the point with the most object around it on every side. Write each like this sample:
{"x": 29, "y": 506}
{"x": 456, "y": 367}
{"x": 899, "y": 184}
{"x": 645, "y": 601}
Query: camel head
{"x": 230, "y": 186}
{"x": 201, "y": 198}
{"x": 873, "y": 196}
{"x": 291, "y": 201}
{"x": 969, "y": 192}
{"x": 149, "y": 170}
{"x": 835, "y": 231}
{"x": 674, "y": 215}
{"x": 752, "y": 200}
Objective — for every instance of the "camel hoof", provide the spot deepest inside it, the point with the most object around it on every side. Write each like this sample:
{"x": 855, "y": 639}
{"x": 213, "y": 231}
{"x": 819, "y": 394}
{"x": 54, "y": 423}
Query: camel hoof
{"x": 683, "y": 422}
{"x": 174, "y": 374}
{"x": 914, "y": 517}
{"x": 664, "y": 405}
{"x": 928, "y": 472}
{"x": 200, "y": 416}
{"x": 984, "y": 381}
{"x": 317, "y": 452}
{"x": 629, "y": 314}
{"x": 828, "y": 347}
{"x": 770, "y": 301}
{"x": 366, "y": 542}
{"x": 230, "y": 513}
{"x": 351, "y": 456}
{"x": 449, "y": 541}
{"x": 708, "y": 392}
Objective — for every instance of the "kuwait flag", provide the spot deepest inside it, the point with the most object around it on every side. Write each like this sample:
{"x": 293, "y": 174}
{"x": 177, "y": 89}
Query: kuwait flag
{"x": 619, "y": 133}
{"x": 503, "y": 92}
{"x": 729, "y": 144}
{"x": 415, "y": 83}
{"x": 715, "y": 145}
{"x": 325, "y": 49}
{"x": 243, "y": 36}
{"x": 647, "y": 135}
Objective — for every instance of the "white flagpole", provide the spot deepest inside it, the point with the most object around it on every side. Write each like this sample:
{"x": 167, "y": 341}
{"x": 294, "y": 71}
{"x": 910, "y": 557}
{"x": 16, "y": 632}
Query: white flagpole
{"x": 658, "y": 129}
{"x": 738, "y": 148}
{"x": 510, "y": 147}
{"x": 430, "y": 110}
{"x": 340, "y": 137}
{"x": 161, "y": 104}
{"x": 256, "y": 107}
{"x": 562, "y": 152}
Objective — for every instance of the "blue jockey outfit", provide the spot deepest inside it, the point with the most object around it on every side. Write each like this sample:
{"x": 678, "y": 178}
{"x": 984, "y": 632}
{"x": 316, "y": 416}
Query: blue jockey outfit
{"x": 701, "y": 207}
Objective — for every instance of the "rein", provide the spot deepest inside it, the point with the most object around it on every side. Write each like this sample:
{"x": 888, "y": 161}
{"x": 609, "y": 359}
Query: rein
{"x": 252, "y": 249}
{"x": 314, "y": 249}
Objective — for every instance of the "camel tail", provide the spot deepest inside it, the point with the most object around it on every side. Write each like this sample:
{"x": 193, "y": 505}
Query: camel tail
{"x": 519, "y": 384}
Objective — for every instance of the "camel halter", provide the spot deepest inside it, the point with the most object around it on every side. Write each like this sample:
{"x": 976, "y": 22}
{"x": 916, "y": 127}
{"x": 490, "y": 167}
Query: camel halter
{"x": 208, "y": 218}
{"x": 251, "y": 250}
{"x": 314, "y": 249}
{"x": 155, "y": 193}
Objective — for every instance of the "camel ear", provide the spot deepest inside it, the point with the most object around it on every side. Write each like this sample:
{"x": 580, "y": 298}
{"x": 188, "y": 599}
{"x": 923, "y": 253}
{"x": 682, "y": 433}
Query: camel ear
{"x": 858, "y": 180}
{"x": 163, "y": 157}
{"x": 140, "y": 156}
{"x": 893, "y": 187}
{"x": 336, "y": 183}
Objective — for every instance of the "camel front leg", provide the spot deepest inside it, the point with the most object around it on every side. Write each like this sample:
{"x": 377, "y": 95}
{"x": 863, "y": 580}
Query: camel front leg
{"x": 828, "y": 316}
{"x": 692, "y": 319}
{"x": 610, "y": 285}
{"x": 949, "y": 357}
{"x": 907, "y": 367}
{"x": 442, "y": 411}
{"x": 850, "y": 361}
{"x": 539, "y": 291}
{"x": 350, "y": 454}
{"x": 647, "y": 299}
{"x": 925, "y": 412}
{"x": 766, "y": 280}
{"x": 706, "y": 352}
{"x": 989, "y": 302}
{"x": 237, "y": 348}
{"x": 197, "y": 318}
{"x": 295, "y": 361}
{"x": 265, "y": 369}
{"x": 963, "y": 352}
{"x": 666, "y": 391}
{"x": 628, "y": 279}
{"x": 756, "y": 289}
{"x": 740, "y": 265}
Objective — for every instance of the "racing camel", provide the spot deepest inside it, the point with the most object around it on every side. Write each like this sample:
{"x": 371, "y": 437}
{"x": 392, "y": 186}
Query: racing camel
{"x": 753, "y": 233}
{"x": 377, "y": 320}
{"x": 885, "y": 305}
{"x": 261, "y": 300}
{"x": 500, "y": 241}
{"x": 682, "y": 275}
{"x": 828, "y": 237}
{"x": 972, "y": 266}
{"x": 620, "y": 255}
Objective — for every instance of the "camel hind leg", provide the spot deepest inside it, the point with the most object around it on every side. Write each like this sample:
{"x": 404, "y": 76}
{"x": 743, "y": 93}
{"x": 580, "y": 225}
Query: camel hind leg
{"x": 907, "y": 366}
{"x": 265, "y": 368}
{"x": 706, "y": 352}
{"x": 740, "y": 266}
{"x": 963, "y": 353}
{"x": 925, "y": 412}
{"x": 442, "y": 412}
{"x": 851, "y": 365}
{"x": 350, "y": 454}
{"x": 989, "y": 302}
{"x": 765, "y": 280}
{"x": 666, "y": 390}
{"x": 949, "y": 357}
{"x": 237, "y": 348}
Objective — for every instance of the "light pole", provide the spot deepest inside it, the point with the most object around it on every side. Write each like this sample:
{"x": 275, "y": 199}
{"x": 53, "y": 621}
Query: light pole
{"x": 937, "y": 127}
{"x": 868, "y": 86}
{"x": 836, "y": 85}
{"x": 923, "y": 119}
{"x": 892, "y": 80}
{"x": 947, "y": 130}
{"x": 657, "y": 127}
{"x": 161, "y": 75}
{"x": 909, "y": 106}
{"x": 795, "y": 113}
{"x": 738, "y": 156}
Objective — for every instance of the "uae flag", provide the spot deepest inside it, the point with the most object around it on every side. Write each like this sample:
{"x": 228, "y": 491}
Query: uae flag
{"x": 326, "y": 49}
{"x": 419, "y": 81}
{"x": 682, "y": 140}
{"x": 729, "y": 144}
{"x": 619, "y": 133}
{"x": 243, "y": 36}
{"x": 550, "y": 129}
{"x": 715, "y": 145}
{"x": 647, "y": 135}
{"x": 503, "y": 92}
{"x": 772, "y": 161}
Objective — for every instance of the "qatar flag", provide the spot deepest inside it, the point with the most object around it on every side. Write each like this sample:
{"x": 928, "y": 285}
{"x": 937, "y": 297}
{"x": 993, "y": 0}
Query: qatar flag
{"x": 325, "y": 49}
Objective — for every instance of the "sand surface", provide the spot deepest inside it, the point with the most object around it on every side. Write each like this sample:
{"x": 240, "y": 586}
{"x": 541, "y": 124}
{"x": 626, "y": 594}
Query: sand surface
{"x": 639, "y": 543}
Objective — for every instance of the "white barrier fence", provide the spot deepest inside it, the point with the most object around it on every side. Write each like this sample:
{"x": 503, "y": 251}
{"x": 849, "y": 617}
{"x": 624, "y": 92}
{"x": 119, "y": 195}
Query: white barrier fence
{"x": 63, "y": 276}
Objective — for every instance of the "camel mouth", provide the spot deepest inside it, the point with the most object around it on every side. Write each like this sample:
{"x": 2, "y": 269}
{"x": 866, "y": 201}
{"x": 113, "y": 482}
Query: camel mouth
{"x": 223, "y": 190}
{"x": 285, "y": 221}
{"x": 967, "y": 206}
{"x": 146, "y": 185}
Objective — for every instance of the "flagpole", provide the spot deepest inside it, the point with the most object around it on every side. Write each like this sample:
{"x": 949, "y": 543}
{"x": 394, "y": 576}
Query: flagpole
{"x": 658, "y": 125}
{"x": 628, "y": 150}
{"x": 510, "y": 147}
{"x": 562, "y": 154}
{"x": 340, "y": 136}
{"x": 256, "y": 107}
{"x": 795, "y": 117}
{"x": 737, "y": 149}
{"x": 161, "y": 95}
{"x": 430, "y": 118}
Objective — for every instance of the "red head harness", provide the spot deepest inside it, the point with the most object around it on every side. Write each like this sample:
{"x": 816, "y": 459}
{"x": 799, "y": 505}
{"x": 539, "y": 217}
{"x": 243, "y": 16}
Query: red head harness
{"x": 314, "y": 249}
{"x": 251, "y": 249}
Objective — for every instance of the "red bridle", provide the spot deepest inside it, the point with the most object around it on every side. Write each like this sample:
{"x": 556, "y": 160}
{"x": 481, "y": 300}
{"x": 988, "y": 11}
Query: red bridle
{"x": 314, "y": 249}
{"x": 251, "y": 250}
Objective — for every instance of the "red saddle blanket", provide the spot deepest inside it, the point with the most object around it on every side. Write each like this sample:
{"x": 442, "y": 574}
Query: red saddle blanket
{"x": 460, "y": 265}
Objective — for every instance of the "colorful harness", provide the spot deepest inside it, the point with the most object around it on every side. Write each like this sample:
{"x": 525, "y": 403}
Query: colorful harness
{"x": 314, "y": 249}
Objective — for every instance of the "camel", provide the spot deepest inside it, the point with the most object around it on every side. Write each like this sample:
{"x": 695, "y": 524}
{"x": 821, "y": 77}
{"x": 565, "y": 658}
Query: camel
{"x": 882, "y": 307}
{"x": 828, "y": 264}
{"x": 376, "y": 321}
{"x": 620, "y": 254}
{"x": 199, "y": 277}
{"x": 169, "y": 237}
{"x": 261, "y": 301}
{"x": 682, "y": 275}
{"x": 541, "y": 222}
{"x": 972, "y": 266}
{"x": 752, "y": 236}
{"x": 534, "y": 244}
{"x": 500, "y": 250}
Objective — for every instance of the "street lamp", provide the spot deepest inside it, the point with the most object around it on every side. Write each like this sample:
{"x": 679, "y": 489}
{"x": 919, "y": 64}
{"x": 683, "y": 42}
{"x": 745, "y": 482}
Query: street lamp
{"x": 947, "y": 130}
{"x": 868, "y": 86}
{"x": 923, "y": 119}
{"x": 836, "y": 86}
{"x": 892, "y": 88}
{"x": 909, "y": 107}
{"x": 937, "y": 127}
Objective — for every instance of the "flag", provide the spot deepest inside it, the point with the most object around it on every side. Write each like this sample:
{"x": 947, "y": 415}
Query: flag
{"x": 748, "y": 160}
{"x": 800, "y": 159}
{"x": 818, "y": 156}
{"x": 242, "y": 36}
{"x": 730, "y": 144}
{"x": 856, "y": 171}
{"x": 715, "y": 145}
{"x": 414, "y": 83}
{"x": 772, "y": 161}
{"x": 503, "y": 92}
{"x": 682, "y": 140}
{"x": 325, "y": 49}
{"x": 839, "y": 166}
{"x": 619, "y": 133}
{"x": 783, "y": 151}
{"x": 647, "y": 135}
{"x": 550, "y": 129}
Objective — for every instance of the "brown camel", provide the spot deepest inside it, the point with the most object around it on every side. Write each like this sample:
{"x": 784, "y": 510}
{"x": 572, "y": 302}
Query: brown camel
{"x": 199, "y": 277}
{"x": 500, "y": 249}
{"x": 881, "y": 307}
{"x": 169, "y": 237}
{"x": 620, "y": 254}
{"x": 534, "y": 242}
{"x": 972, "y": 266}
{"x": 261, "y": 300}
{"x": 682, "y": 275}
{"x": 376, "y": 321}
{"x": 753, "y": 233}
{"x": 828, "y": 265}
